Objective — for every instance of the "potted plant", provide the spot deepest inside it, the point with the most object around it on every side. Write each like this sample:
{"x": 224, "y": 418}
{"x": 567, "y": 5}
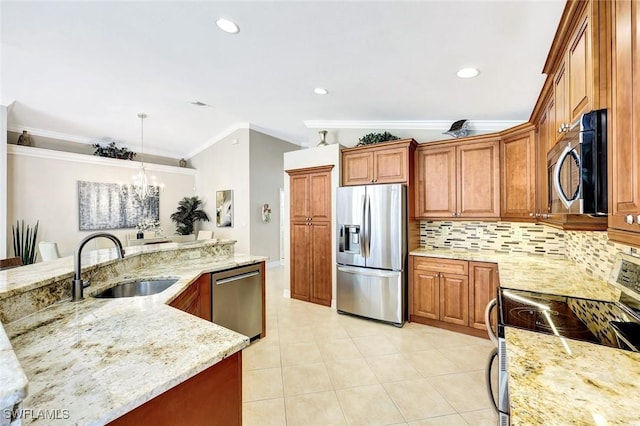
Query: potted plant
{"x": 188, "y": 214}
{"x": 24, "y": 242}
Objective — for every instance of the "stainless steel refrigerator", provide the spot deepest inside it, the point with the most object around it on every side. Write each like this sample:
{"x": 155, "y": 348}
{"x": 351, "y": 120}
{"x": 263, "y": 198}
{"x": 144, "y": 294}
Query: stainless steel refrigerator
{"x": 372, "y": 251}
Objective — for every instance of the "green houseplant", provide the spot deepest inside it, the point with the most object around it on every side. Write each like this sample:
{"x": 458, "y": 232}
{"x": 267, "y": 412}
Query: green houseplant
{"x": 24, "y": 242}
{"x": 372, "y": 138}
{"x": 188, "y": 214}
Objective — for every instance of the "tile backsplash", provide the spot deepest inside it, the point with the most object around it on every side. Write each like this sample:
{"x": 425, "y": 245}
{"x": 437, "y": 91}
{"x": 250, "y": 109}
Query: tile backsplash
{"x": 505, "y": 237}
{"x": 590, "y": 250}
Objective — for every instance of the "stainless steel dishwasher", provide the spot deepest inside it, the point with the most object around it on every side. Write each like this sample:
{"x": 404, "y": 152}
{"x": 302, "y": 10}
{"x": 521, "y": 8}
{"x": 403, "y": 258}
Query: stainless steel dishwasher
{"x": 237, "y": 299}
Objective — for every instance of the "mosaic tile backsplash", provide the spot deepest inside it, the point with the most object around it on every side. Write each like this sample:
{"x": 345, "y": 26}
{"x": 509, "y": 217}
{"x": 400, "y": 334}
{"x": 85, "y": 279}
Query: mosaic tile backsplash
{"x": 591, "y": 251}
{"x": 504, "y": 237}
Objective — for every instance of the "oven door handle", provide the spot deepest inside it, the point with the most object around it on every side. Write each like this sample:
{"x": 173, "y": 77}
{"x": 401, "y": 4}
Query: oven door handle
{"x": 556, "y": 177}
{"x": 487, "y": 320}
{"x": 492, "y": 356}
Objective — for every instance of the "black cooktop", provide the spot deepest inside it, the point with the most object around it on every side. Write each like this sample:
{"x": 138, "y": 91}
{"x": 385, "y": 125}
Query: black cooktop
{"x": 606, "y": 323}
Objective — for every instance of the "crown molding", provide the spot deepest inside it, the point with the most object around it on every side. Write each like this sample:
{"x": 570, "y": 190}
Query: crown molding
{"x": 443, "y": 125}
{"x": 18, "y": 128}
{"x": 274, "y": 134}
{"x": 28, "y": 151}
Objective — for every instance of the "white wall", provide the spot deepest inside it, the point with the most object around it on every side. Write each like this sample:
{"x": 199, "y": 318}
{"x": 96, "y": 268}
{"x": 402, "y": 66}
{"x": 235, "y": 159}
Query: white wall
{"x": 3, "y": 181}
{"x": 222, "y": 166}
{"x": 319, "y": 156}
{"x": 43, "y": 185}
{"x": 266, "y": 163}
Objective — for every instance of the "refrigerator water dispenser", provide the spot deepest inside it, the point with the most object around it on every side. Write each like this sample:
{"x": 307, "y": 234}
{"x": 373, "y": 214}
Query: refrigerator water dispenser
{"x": 349, "y": 238}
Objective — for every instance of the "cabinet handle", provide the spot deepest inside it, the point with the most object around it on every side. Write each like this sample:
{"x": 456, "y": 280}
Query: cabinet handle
{"x": 531, "y": 214}
{"x": 629, "y": 219}
{"x": 638, "y": 219}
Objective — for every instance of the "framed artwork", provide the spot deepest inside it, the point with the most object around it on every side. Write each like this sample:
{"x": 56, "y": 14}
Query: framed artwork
{"x": 224, "y": 208}
{"x": 112, "y": 206}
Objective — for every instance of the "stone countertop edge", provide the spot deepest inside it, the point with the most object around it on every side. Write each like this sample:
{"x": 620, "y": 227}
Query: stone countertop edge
{"x": 545, "y": 274}
{"x": 14, "y": 383}
{"x": 43, "y": 273}
{"x": 570, "y": 381}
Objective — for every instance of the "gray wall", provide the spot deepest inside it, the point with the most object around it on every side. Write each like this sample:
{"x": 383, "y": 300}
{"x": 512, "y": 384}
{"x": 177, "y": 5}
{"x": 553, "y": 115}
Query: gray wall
{"x": 266, "y": 159}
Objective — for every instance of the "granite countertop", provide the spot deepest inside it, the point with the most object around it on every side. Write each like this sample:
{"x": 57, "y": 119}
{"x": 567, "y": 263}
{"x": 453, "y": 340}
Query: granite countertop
{"x": 100, "y": 358}
{"x": 564, "y": 381}
{"x": 544, "y": 274}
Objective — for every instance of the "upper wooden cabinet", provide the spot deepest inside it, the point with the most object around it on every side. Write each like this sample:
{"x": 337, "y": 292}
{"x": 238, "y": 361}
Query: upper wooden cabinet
{"x": 518, "y": 165}
{"x": 309, "y": 198}
{"x": 624, "y": 172}
{"x": 388, "y": 162}
{"x": 579, "y": 59}
{"x": 459, "y": 179}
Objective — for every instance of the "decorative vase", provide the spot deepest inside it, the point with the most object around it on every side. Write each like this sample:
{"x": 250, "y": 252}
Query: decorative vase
{"x": 323, "y": 138}
{"x": 140, "y": 235}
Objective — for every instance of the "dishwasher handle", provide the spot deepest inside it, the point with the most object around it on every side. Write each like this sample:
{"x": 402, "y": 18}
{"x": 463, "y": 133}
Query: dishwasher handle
{"x": 237, "y": 277}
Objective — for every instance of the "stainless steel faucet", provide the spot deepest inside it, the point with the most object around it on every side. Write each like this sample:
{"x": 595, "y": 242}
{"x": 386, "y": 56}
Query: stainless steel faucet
{"x": 78, "y": 284}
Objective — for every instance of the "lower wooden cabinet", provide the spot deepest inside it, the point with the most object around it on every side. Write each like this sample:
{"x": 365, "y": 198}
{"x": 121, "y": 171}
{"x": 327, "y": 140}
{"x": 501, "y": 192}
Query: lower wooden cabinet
{"x": 483, "y": 286}
{"x": 451, "y": 294}
{"x": 311, "y": 262}
{"x": 212, "y": 397}
{"x": 196, "y": 299}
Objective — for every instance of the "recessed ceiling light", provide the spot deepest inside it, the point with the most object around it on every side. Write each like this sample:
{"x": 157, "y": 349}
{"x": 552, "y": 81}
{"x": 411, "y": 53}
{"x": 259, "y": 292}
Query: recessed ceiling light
{"x": 227, "y": 26}
{"x": 320, "y": 91}
{"x": 467, "y": 73}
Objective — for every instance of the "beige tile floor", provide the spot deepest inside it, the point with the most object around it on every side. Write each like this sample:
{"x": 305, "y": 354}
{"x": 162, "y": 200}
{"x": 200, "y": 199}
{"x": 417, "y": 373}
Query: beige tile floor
{"x": 318, "y": 367}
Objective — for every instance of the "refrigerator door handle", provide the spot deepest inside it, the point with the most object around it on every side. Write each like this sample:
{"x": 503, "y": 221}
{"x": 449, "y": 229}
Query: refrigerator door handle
{"x": 363, "y": 228}
{"x": 368, "y": 272}
{"x": 367, "y": 213}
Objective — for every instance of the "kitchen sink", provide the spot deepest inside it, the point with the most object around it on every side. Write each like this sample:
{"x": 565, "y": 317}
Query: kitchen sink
{"x": 144, "y": 287}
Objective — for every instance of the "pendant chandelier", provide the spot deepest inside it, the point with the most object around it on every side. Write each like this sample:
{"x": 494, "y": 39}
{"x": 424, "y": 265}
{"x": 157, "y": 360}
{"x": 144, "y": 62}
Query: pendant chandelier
{"x": 142, "y": 186}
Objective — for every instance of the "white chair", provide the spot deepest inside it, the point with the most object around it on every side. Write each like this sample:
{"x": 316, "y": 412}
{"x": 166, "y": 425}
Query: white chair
{"x": 205, "y": 235}
{"x": 48, "y": 250}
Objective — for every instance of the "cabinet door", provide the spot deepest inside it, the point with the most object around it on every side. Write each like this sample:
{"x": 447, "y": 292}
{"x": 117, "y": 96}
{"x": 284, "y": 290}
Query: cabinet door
{"x": 320, "y": 196}
{"x": 204, "y": 284}
{"x": 426, "y": 294}
{"x": 625, "y": 161}
{"x": 299, "y": 194}
{"x": 300, "y": 279}
{"x": 436, "y": 187}
{"x": 542, "y": 143}
{"x": 560, "y": 101}
{"x": 321, "y": 263}
{"x": 454, "y": 299}
{"x": 478, "y": 180}
{"x": 357, "y": 168}
{"x": 580, "y": 70}
{"x": 390, "y": 165}
{"x": 483, "y": 286}
{"x": 518, "y": 165}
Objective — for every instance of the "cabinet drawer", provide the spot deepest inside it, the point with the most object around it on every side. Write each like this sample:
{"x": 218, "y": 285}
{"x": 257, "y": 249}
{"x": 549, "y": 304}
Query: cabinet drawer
{"x": 447, "y": 266}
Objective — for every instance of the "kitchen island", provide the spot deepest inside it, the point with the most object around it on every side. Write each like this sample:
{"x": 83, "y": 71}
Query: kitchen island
{"x": 90, "y": 362}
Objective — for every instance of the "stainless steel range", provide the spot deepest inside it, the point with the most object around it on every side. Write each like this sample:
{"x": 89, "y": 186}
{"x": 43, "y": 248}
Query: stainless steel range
{"x": 610, "y": 323}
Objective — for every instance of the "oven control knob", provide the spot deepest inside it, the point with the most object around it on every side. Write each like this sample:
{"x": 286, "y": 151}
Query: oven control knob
{"x": 629, "y": 219}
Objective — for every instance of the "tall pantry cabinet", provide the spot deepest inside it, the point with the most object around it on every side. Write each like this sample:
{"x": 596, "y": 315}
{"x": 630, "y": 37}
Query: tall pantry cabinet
{"x": 310, "y": 217}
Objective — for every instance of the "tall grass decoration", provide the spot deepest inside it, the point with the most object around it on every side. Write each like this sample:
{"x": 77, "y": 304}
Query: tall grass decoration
{"x": 24, "y": 242}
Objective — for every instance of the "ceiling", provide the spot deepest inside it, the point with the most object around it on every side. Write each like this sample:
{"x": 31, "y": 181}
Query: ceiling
{"x": 84, "y": 70}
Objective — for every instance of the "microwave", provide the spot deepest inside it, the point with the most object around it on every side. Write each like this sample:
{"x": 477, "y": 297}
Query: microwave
{"x": 577, "y": 168}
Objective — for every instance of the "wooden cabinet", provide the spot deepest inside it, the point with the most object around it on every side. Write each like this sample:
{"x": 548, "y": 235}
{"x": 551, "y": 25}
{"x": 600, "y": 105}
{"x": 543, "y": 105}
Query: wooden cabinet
{"x": 310, "y": 233}
{"x": 196, "y": 299}
{"x": 518, "y": 165}
{"x": 439, "y": 290}
{"x": 212, "y": 397}
{"x": 451, "y": 294}
{"x": 388, "y": 162}
{"x": 624, "y": 171}
{"x": 483, "y": 286}
{"x": 459, "y": 179}
{"x": 573, "y": 79}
